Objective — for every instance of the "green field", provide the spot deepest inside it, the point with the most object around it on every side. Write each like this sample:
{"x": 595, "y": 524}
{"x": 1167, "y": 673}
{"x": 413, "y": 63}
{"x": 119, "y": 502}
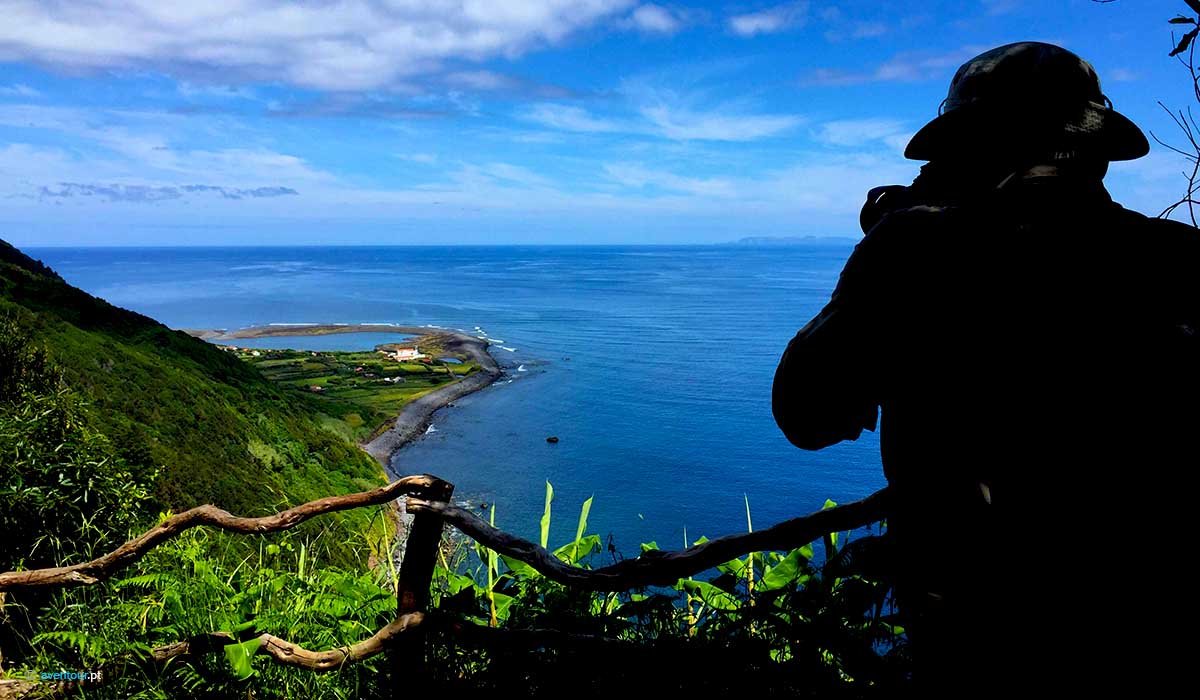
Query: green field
{"x": 361, "y": 391}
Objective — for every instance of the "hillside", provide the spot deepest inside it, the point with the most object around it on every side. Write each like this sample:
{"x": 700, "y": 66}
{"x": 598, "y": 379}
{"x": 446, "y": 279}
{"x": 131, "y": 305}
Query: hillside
{"x": 220, "y": 432}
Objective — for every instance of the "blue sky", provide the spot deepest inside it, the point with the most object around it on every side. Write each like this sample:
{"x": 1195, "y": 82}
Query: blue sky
{"x": 264, "y": 122}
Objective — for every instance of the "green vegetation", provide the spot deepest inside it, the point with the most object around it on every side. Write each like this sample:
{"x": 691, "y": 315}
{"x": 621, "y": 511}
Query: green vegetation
{"x": 810, "y": 625}
{"x": 362, "y": 390}
{"x": 814, "y": 625}
{"x": 209, "y": 426}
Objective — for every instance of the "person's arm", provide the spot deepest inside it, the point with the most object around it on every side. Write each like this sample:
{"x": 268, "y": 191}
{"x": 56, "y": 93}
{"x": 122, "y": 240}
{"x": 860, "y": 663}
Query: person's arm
{"x": 824, "y": 390}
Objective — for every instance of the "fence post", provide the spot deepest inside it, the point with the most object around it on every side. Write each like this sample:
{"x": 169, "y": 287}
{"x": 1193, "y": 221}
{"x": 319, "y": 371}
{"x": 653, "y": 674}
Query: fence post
{"x": 408, "y": 654}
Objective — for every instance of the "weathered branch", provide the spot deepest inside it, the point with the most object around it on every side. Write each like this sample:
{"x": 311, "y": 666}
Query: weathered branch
{"x": 281, "y": 650}
{"x": 663, "y": 568}
{"x": 95, "y": 570}
{"x": 290, "y": 654}
{"x": 16, "y": 689}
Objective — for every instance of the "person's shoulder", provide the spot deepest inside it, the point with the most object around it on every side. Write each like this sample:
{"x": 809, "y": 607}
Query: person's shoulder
{"x": 911, "y": 228}
{"x": 1155, "y": 229}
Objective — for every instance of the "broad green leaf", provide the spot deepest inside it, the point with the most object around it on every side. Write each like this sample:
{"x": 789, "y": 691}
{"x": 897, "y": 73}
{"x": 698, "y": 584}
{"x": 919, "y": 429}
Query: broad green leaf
{"x": 457, "y": 582}
{"x": 831, "y": 538}
{"x": 736, "y": 568}
{"x": 649, "y": 547}
{"x": 709, "y": 594}
{"x": 574, "y": 551}
{"x": 503, "y": 603}
{"x": 785, "y": 572}
{"x": 519, "y": 568}
{"x": 546, "y": 515}
{"x": 583, "y": 517}
{"x": 239, "y": 656}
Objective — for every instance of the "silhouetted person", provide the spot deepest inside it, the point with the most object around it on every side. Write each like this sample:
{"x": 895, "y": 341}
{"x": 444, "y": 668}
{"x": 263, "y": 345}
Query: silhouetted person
{"x": 1031, "y": 350}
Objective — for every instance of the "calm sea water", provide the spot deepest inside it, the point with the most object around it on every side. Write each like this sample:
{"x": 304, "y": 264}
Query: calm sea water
{"x": 653, "y": 366}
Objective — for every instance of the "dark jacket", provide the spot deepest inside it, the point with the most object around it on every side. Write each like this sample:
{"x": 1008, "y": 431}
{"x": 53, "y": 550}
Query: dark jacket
{"x": 1033, "y": 357}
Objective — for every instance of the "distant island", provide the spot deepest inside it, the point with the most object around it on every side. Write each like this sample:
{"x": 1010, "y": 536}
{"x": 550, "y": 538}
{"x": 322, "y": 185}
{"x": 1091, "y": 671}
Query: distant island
{"x": 383, "y": 398}
{"x": 765, "y": 241}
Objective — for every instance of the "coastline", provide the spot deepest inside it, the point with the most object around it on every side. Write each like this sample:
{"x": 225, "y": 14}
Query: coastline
{"x": 414, "y": 418}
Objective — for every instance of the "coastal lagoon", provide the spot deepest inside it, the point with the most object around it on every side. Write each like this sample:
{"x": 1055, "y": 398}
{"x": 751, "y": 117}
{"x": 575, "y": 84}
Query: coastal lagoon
{"x": 652, "y": 365}
{"x": 324, "y": 343}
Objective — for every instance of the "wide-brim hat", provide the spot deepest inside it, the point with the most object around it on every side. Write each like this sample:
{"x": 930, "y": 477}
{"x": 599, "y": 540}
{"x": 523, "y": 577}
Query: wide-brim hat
{"x": 1028, "y": 95}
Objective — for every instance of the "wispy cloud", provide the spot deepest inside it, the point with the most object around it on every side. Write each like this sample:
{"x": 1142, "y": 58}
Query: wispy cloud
{"x": 422, "y": 158}
{"x": 353, "y": 45}
{"x": 142, "y": 147}
{"x": 1001, "y": 7}
{"x": 669, "y": 122}
{"x": 18, "y": 90}
{"x": 860, "y": 132}
{"x": 111, "y": 192}
{"x": 502, "y": 174}
{"x": 906, "y": 67}
{"x": 655, "y": 19}
{"x": 491, "y": 81}
{"x": 771, "y": 20}
{"x": 215, "y": 91}
{"x": 1122, "y": 75}
{"x": 572, "y": 118}
{"x": 867, "y": 30}
{"x": 688, "y": 125}
{"x": 355, "y": 106}
{"x": 638, "y": 176}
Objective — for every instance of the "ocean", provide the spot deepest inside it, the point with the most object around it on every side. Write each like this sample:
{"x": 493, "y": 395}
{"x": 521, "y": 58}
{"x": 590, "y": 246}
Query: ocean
{"x": 652, "y": 365}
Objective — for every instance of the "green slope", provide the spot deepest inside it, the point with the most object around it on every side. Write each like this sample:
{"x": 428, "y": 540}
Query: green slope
{"x": 220, "y": 432}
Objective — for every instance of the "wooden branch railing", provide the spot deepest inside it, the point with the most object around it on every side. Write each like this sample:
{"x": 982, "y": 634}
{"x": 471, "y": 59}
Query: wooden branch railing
{"x": 428, "y": 499}
{"x": 93, "y": 571}
{"x": 657, "y": 568}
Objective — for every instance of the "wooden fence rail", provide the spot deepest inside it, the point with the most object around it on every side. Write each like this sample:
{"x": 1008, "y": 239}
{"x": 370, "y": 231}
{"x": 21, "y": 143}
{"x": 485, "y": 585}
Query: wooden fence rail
{"x": 428, "y": 498}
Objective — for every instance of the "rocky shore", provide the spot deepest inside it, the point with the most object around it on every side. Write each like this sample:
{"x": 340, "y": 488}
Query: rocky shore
{"x": 414, "y": 418}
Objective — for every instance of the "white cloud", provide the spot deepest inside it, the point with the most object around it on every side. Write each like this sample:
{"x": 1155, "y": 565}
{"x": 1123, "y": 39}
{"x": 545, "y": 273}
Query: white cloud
{"x": 860, "y": 132}
{"x": 482, "y": 80}
{"x": 868, "y": 30}
{"x": 422, "y": 158}
{"x": 571, "y": 118}
{"x": 218, "y": 92}
{"x": 139, "y": 148}
{"x": 655, "y": 19}
{"x": 350, "y": 45}
{"x": 1001, "y": 7}
{"x": 814, "y": 183}
{"x": 637, "y": 176}
{"x": 18, "y": 90}
{"x": 502, "y": 174}
{"x": 687, "y": 125}
{"x": 771, "y": 20}
{"x": 677, "y": 123}
{"x": 1122, "y": 75}
{"x": 906, "y": 67}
